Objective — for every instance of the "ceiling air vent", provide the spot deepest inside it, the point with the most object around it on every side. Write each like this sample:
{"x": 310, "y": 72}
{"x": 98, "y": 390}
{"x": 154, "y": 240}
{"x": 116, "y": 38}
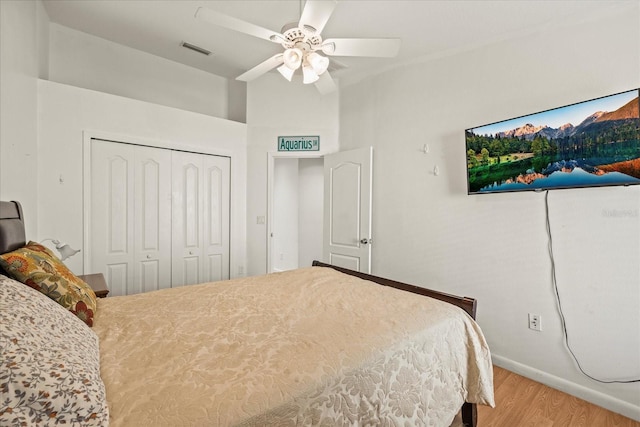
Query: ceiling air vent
{"x": 195, "y": 48}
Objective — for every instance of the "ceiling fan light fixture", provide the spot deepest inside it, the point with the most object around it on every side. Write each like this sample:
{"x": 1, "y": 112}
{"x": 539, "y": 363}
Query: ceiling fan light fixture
{"x": 303, "y": 45}
{"x": 286, "y": 72}
{"x": 308, "y": 74}
{"x": 318, "y": 62}
{"x": 293, "y": 58}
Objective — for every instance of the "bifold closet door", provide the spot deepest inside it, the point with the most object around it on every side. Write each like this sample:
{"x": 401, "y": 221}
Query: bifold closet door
{"x": 200, "y": 223}
{"x": 130, "y": 216}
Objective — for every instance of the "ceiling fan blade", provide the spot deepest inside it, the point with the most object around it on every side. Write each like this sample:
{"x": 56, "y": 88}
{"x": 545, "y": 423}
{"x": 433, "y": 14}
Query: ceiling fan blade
{"x": 316, "y": 13}
{"x": 235, "y": 24}
{"x": 335, "y": 65}
{"x": 261, "y": 68}
{"x": 382, "y": 48}
{"x": 325, "y": 83}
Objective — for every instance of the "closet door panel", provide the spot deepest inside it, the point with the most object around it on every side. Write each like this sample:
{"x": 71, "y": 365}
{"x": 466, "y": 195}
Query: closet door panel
{"x": 118, "y": 278}
{"x": 190, "y": 176}
{"x": 152, "y": 218}
{"x": 111, "y": 225}
{"x": 215, "y": 268}
{"x": 159, "y": 218}
{"x": 213, "y": 200}
{"x": 190, "y": 271}
{"x": 118, "y": 232}
{"x": 217, "y": 171}
{"x": 148, "y": 194}
{"x": 186, "y": 229}
{"x": 149, "y": 275}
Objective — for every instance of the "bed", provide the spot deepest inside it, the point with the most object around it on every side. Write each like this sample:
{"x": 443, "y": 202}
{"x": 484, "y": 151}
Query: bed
{"x": 318, "y": 346}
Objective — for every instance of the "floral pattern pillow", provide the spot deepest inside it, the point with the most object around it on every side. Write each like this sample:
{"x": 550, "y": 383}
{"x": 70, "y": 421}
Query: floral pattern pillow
{"x": 49, "y": 363}
{"x": 35, "y": 265}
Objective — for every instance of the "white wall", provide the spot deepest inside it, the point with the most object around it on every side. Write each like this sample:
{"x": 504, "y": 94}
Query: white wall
{"x": 22, "y": 57}
{"x": 68, "y": 114}
{"x": 83, "y": 60}
{"x": 276, "y": 107}
{"x": 428, "y": 231}
{"x": 237, "y": 101}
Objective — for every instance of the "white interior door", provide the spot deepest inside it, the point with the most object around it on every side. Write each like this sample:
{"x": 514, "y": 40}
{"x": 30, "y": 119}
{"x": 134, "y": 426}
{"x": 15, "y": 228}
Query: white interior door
{"x": 347, "y": 204}
{"x": 152, "y": 219}
{"x": 131, "y": 211}
{"x": 187, "y": 221}
{"x": 112, "y": 190}
{"x": 200, "y": 225}
{"x": 159, "y": 218}
{"x": 217, "y": 185}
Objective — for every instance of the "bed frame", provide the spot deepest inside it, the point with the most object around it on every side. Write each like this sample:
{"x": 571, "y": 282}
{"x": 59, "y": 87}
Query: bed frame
{"x": 469, "y": 410}
{"x": 12, "y": 236}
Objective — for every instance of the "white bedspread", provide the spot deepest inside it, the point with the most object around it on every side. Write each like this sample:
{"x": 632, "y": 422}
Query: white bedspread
{"x": 305, "y": 347}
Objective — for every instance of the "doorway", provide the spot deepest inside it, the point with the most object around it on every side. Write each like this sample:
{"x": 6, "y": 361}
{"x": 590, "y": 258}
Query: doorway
{"x": 296, "y": 205}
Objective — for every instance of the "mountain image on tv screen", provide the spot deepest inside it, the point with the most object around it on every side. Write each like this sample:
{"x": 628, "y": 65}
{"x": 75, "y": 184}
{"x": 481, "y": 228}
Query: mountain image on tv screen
{"x": 588, "y": 144}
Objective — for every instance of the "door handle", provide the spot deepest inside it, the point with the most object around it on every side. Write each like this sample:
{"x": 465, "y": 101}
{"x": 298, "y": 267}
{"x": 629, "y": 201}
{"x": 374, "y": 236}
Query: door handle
{"x": 366, "y": 241}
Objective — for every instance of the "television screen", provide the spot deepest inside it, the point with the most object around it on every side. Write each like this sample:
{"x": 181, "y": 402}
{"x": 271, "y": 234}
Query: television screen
{"x": 591, "y": 143}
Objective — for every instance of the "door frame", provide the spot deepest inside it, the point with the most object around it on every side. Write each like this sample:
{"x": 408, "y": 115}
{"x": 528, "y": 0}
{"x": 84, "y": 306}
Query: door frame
{"x": 271, "y": 156}
{"x": 88, "y": 135}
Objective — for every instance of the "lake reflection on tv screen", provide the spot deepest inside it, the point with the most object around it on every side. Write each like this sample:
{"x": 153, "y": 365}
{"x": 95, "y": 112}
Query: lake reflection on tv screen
{"x": 592, "y": 143}
{"x": 560, "y": 179}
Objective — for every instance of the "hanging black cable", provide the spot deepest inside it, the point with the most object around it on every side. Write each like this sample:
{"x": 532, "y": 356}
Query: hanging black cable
{"x": 562, "y": 319}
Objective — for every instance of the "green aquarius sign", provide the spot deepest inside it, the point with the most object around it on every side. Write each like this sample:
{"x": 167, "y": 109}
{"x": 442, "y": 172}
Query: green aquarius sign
{"x": 298, "y": 143}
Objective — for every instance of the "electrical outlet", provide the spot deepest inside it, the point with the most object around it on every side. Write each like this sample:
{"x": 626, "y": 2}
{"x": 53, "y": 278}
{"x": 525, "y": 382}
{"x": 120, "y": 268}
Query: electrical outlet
{"x": 535, "y": 322}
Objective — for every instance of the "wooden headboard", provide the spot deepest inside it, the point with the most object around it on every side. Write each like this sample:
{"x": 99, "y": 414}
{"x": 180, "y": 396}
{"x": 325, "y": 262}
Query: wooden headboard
{"x": 12, "y": 234}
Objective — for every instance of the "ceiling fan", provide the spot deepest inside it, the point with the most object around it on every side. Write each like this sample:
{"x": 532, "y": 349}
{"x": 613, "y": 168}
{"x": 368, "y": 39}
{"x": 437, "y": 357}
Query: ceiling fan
{"x": 303, "y": 45}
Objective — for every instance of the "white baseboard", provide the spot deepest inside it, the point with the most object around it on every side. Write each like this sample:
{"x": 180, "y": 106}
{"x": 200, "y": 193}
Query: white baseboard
{"x": 611, "y": 403}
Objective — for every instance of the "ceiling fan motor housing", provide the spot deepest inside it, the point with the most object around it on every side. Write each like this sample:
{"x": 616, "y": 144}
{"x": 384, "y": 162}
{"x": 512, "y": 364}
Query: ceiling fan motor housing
{"x": 304, "y": 38}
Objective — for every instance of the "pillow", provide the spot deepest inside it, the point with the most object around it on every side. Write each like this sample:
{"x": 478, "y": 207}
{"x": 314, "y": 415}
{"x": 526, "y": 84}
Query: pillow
{"x": 36, "y": 266}
{"x": 49, "y": 363}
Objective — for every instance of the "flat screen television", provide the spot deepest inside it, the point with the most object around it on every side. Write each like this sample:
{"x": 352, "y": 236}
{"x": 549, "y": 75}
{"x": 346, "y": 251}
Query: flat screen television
{"x": 588, "y": 144}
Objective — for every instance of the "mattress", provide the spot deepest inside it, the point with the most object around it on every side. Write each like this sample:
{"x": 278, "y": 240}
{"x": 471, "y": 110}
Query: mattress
{"x": 305, "y": 347}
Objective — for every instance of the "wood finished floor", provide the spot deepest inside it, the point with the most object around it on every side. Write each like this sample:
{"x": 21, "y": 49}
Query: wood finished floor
{"x": 521, "y": 402}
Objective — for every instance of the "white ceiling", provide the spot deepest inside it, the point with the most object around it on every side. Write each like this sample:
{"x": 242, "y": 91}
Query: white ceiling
{"x": 427, "y": 28}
